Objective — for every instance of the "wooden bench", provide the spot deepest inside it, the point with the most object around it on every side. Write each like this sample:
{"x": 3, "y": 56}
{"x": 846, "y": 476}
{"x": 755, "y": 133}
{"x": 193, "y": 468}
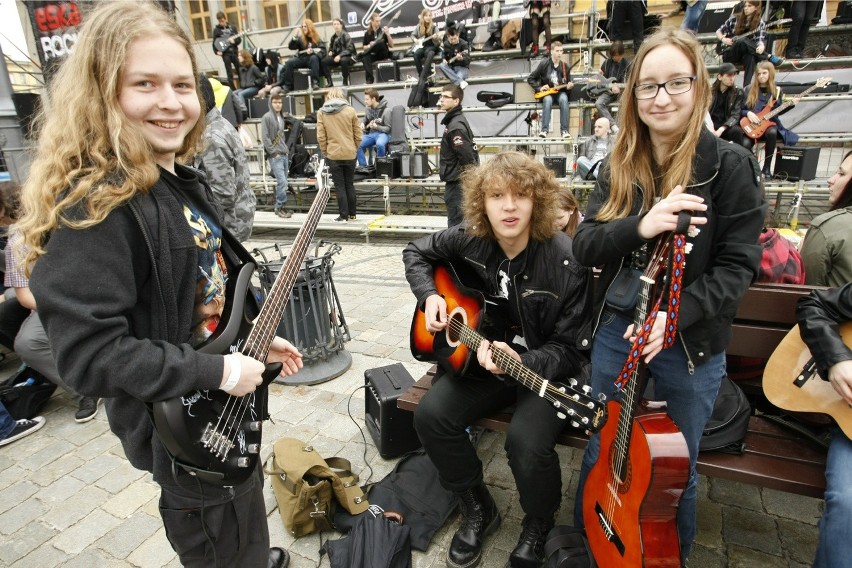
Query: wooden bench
{"x": 775, "y": 456}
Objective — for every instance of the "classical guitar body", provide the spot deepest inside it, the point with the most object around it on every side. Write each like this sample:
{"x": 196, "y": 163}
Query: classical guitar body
{"x": 630, "y": 506}
{"x": 462, "y": 302}
{"x": 790, "y": 380}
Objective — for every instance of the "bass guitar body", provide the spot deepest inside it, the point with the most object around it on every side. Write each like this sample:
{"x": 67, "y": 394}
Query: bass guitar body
{"x": 630, "y": 499}
{"x": 755, "y": 131}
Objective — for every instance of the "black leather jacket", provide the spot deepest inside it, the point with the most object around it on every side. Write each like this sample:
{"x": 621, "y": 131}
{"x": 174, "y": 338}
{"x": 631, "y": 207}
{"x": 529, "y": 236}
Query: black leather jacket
{"x": 552, "y": 292}
{"x": 725, "y": 254}
{"x": 458, "y": 149}
{"x": 819, "y": 314}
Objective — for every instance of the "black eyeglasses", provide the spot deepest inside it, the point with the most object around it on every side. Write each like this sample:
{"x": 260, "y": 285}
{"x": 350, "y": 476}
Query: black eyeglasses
{"x": 677, "y": 86}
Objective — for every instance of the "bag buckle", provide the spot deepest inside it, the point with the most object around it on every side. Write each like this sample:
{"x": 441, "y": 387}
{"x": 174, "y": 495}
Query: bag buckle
{"x": 316, "y": 512}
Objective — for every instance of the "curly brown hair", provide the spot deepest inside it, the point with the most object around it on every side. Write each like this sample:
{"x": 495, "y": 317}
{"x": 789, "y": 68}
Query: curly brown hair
{"x": 516, "y": 172}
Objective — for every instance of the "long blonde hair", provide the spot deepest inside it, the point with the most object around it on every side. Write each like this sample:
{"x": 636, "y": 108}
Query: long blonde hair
{"x": 632, "y": 159}
{"x": 97, "y": 159}
{"x": 754, "y": 90}
{"x": 519, "y": 173}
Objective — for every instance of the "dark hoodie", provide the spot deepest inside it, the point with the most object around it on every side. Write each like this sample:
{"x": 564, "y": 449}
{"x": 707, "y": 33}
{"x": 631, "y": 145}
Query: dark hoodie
{"x": 382, "y": 115}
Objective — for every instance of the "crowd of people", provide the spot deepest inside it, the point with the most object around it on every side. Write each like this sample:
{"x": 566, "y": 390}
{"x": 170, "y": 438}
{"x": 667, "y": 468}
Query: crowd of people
{"x": 155, "y": 193}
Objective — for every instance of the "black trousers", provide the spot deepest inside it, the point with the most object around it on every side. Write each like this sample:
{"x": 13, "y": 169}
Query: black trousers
{"x": 801, "y": 12}
{"x": 233, "y": 517}
{"x": 379, "y": 52}
{"x": 770, "y": 138}
{"x": 453, "y": 200}
{"x": 451, "y": 405}
{"x": 303, "y": 61}
{"x": 734, "y": 134}
{"x": 420, "y": 92}
{"x": 745, "y": 51}
{"x": 232, "y": 67}
{"x": 634, "y": 10}
{"x": 343, "y": 176}
{"x": 328, "y": 62}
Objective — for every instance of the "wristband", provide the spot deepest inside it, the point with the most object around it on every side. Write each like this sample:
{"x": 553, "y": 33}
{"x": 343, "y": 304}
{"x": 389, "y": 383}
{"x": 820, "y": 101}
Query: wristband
{"x": 234, "y": 376}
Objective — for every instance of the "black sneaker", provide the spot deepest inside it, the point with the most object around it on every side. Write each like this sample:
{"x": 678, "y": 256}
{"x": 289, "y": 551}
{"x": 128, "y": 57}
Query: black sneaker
{"x": 88, "y": 409}
{"x": 23, "y": 428}
{"x": 340, "y": 219}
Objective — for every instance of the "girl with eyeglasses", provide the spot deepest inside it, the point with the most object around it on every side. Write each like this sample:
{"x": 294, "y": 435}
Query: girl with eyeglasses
{"x": 665, "y": 161}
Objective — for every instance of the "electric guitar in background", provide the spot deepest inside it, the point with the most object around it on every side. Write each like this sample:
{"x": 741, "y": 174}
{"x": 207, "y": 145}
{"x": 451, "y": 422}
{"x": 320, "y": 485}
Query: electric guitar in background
{"x": 631, "y": 494}
{"x": 420, "y": 42}
{"x": 209, "y": 432}
{"x": 222, "y": 44}
{"x": 721, "y": 48}
{"x": 551, "y": 91}
{"x": 455, "y": 350}
{"x": 790, "y": 380}
{"x": 603, "y": 85}
{"x": 756, "y": 130}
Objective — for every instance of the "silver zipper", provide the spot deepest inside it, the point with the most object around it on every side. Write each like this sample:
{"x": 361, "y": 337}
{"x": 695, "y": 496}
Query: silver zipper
{"x": 529, "y": 292}
{"x": 690, "y": 366}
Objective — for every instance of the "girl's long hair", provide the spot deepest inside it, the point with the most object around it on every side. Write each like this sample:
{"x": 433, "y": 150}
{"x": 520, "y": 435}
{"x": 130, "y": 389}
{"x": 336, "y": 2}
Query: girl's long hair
{"x": 754, "y": 90}
{"x": 88, "y": 154}
{"x": 313, "y": 34}
{"x": 516, "y": 172}
{"x": 632, "y": 158}
{"x": 748, "y": 23}
{"x": 566, "y": 200}
{"x": 424, "y": 31}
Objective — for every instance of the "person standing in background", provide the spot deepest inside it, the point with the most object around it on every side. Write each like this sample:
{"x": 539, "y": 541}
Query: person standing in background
{"x": 458, "y": 151}
{"x": 339, "y": 136}
{"x": 274, "y": 134}
{"x": 801, "y": 12}
{"x": 539, "y": 13}
{"x": 227, "y": 32}
{"x": 224, "y": 161}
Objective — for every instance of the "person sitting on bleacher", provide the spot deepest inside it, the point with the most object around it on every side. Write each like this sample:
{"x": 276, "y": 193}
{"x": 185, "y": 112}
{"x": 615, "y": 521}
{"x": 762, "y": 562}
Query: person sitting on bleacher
{"x": 726, "y": 105}
{"x": 552, "y": 74}
{"x": 377, "y": 44}
{"x": 745, "y": 50}
{"x": 597, "y": 148}
{"x": 376, "y": 125}
{"x": 456, "y": 57}
{"x": 310, "y": 50}
{"x": 340, "y": 52}
{"x": 251, "y": 77}
{"x": 427, "y": 44}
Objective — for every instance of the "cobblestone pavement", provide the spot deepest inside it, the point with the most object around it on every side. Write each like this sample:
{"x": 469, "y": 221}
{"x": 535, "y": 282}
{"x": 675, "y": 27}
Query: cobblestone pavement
{"x": 69, "y": 498}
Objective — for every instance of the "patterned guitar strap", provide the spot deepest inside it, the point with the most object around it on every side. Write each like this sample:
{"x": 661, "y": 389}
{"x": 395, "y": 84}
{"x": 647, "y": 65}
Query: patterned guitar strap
{"x": 677, "y": 260}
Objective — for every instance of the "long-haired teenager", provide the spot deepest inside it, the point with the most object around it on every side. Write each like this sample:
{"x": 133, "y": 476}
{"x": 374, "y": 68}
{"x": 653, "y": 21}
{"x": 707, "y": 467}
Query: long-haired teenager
{"x": 129, "y": 263}
{"x": 666, "y": 161}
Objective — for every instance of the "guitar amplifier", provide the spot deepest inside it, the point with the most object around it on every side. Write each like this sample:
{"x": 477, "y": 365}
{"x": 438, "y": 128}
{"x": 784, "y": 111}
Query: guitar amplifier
{"x": 257, "y": 107}
{"x": 414, "y": 164}
{"x": 309, "y": 134}
{"x": 301, "y": 79}
{"x": 387, "y": 71}
{"x": 556, "y": 164}
{"x": 716, "y": 14}
{"x": 391, "y": 428}
{"x": 796, "y": 163}
{"x": 388, "y": 165}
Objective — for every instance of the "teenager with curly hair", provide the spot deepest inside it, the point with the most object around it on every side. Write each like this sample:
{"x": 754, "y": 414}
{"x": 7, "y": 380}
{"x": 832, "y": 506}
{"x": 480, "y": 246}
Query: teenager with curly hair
{"x": 129, "y": 262}
{"x": 524, "y": 267}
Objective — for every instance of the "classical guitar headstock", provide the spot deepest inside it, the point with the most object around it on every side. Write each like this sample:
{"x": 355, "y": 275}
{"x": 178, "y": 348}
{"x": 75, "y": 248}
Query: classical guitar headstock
{"x": 576, "y": 403}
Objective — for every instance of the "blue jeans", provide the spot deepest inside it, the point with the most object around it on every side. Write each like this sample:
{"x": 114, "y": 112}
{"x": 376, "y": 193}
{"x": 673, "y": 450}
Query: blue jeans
{"x": 246, "y": 94}
{"x": 455, "y": 74}
{"x": 377, "y": 139}
{"x": 693, "y": 15}
{"x": 547, "y": 102}
{"x": 834, "y": 545}
{"x": 280, "y": 167}
{"x": 7, "y": 423}
{"x": 690, "y": 401}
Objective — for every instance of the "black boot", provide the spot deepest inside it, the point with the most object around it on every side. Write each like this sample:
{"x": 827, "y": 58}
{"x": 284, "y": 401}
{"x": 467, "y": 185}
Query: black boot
{"x": 530, "y": 550}
{"x": 766, "y": 172}
{"x": 479, "y": 519}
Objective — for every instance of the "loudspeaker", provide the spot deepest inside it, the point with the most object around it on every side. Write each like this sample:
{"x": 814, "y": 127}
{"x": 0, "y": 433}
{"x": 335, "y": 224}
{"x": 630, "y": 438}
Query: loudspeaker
{"x": 716, "y": 14}
{"x": 414, "y": 164}
{"x": 301, "y": 79}
{"x": 796, "y": 163}
{"x": 258, "y": 107}
{"x": 556, "y": 164}
{"x": 392, "y": 429}
{"x": 387, "y": 71}
{"x": 388, "y": 165}
{"x": 309, "y": 133}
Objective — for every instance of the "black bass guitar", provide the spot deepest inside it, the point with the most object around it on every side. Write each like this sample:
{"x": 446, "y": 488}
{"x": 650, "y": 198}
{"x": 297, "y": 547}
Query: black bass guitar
{"x": 210, "y": 433}
{"x": 455, "y": 350}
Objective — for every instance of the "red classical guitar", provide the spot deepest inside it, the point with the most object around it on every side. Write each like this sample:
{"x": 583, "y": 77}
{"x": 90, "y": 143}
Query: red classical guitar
{"x": 455, "y": 350}
{"x": 632, "y": 492}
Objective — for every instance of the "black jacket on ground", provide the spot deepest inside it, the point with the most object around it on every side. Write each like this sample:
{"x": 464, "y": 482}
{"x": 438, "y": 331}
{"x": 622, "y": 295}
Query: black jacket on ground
{"x": 725, "y": 254}
{"x": 819, "y": 314}
{"x": 551, "y": 292}
{"x": 458, "y": 150}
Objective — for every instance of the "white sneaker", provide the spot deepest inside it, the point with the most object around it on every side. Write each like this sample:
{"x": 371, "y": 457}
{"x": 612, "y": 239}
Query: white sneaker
{"x": 23, "y": 427}
{"x": 463, "y": 84}
{"x": 542, "y": 134}
{"x": 566, "y": 134}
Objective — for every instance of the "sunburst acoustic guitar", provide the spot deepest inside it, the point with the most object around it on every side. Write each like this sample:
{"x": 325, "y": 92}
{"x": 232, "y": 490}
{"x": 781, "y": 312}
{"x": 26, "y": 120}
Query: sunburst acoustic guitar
{"x": 790, "y": 380}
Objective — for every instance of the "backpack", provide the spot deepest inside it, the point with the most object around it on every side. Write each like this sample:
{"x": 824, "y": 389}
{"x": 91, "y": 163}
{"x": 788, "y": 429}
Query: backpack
{"x": 299, "y": 158}
{"x": 728, "y": 424}
{"x": 307, "y": 487}
{"x": 25, "y": 393}
{"x": 567, "y": 547}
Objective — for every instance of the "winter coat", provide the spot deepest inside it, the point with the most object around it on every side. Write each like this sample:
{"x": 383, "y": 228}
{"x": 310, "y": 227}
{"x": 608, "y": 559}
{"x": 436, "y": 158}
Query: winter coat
{"x": 338, "y": 131}
{"x": 827, "y": 249}
{"x": 458, "y": 149}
